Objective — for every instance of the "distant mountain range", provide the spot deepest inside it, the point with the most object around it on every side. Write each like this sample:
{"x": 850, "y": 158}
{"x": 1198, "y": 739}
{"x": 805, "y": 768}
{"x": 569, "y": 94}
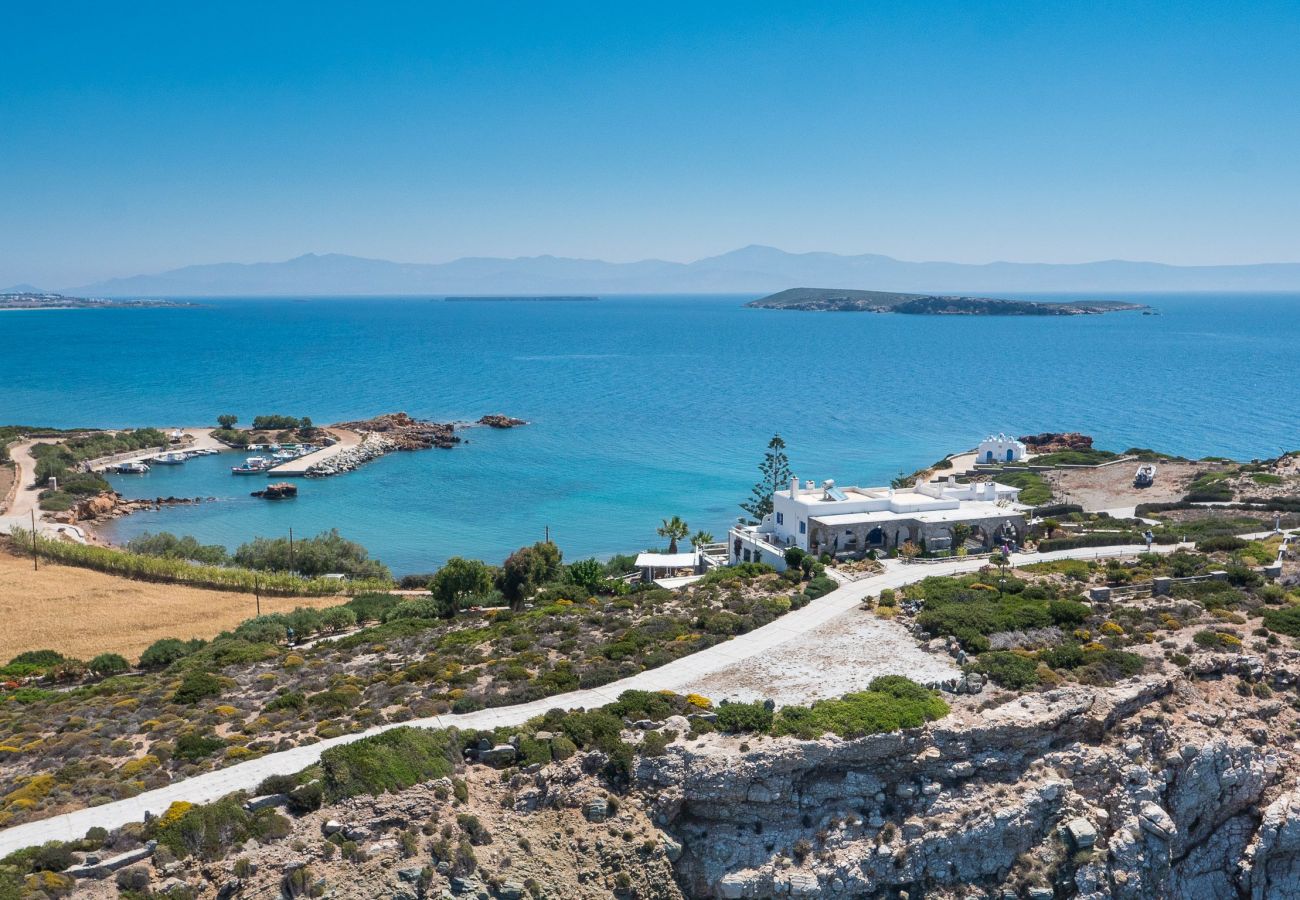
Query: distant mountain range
{"x": 753, "y": 269}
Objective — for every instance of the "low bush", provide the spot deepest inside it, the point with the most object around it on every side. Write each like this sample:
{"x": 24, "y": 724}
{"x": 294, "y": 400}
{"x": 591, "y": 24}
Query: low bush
{"x": 744, "y": 717}
{"x": 1285, "y": 620}
{"x": 390, "y": 761}
{"x": 1007, "y": 669}
{"x": 892, "y": 703}
{"x": 197, "y": 685}
{"x": 106, "y": 664}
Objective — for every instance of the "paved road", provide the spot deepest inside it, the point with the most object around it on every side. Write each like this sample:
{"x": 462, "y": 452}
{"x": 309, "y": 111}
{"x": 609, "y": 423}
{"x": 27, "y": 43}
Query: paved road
{"x": 678, "y": 675}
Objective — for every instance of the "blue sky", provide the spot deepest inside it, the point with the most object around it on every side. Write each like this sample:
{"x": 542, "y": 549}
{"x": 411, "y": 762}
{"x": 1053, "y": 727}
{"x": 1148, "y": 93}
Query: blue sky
{"x": 139, "y": 137}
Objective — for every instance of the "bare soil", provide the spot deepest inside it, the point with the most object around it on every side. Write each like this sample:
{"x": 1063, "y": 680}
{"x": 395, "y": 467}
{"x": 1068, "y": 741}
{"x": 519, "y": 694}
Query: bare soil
{"x": 1112, "y": 487}
{"x": 81, "y": 613}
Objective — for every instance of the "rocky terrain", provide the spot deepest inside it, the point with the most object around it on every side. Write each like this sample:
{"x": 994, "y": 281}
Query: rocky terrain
{"x": 112, "y": 505}
{"x": 1169, "y": 785}
{"x": 828, "y": 300}
{"x": 406, "y": 433}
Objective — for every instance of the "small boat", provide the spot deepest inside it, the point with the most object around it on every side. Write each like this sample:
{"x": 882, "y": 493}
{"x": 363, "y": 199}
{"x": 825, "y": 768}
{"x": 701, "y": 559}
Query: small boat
{"x": 169, "y": 459}
{"x": 132, "y": 468}
{"x": 282, "y": 490}
{"x": 1145, "y": 476}
{"x": 254, "y": 465}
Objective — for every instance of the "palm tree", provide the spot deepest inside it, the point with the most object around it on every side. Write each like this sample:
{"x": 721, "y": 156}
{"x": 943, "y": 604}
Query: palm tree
{"x": 700, "y": 538}
{"x": 674, "y": 529}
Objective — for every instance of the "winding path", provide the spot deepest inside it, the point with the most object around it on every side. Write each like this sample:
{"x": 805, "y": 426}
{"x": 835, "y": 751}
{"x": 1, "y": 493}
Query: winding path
{"x": 678, "y": 675}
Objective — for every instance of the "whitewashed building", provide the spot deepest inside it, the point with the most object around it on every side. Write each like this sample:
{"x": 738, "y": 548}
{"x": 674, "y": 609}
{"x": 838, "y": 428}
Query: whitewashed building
{"x": 1000, "y": 448}
{"x": 853, "y": 521}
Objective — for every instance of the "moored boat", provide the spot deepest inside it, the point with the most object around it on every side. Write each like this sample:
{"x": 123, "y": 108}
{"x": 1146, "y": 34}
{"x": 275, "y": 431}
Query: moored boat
{"x": 169, "y": 459}
{"x": 254, "y": 465}
{"x": 132, "y": 468}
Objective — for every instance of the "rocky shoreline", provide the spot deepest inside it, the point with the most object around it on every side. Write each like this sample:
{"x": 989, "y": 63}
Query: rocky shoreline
{"x": 112, "y": 505}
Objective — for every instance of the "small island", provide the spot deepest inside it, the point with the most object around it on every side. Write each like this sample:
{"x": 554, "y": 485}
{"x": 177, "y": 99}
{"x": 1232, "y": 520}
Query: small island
{"x": 836, "y": 300}
{"x": 41, "y": 300}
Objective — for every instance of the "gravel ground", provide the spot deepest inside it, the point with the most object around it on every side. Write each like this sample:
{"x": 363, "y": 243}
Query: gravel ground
{"x": 1112, "y": 486}
{"x": 837, "y": 658}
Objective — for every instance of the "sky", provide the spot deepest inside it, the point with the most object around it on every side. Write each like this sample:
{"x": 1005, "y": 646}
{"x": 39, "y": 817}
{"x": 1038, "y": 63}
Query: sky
{"x": 146, "y": 136}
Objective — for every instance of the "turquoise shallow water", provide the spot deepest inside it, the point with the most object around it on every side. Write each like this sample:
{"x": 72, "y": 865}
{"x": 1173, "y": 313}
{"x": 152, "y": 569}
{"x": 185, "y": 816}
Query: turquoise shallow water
{"x": 642, "y": 407}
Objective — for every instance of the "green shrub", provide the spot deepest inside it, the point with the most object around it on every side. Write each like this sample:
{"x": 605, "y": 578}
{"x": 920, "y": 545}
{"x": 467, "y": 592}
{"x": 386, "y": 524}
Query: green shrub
{"x": 1010, "y": 670}
{"x": 38, "y": 659}
{"x": 390, "y": 761}
{"x": 893, "y": 702}
{"x": 106, "y": 664}
{"x": 162, "y": 653}
{"x": 193, "y": 746}
{"x": 291, "y": 700}
{"x": 197, "y": 685}
{"x": 1068, "y": 612}
{"x": 744, "y": 717}
{"x": 1284, "y": 620}
{"x": 819, "y": 587}
{"x": 1220, "y": 543}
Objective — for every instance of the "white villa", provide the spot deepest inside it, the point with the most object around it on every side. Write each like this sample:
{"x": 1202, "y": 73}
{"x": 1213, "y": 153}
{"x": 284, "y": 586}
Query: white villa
{"x": 852, "y": 521}
{"x": 1000, "y": 448}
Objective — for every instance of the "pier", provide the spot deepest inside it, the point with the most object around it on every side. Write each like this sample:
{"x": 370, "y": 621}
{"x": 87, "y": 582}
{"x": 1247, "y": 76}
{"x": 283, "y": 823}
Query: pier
{"x": 298, "y": 468}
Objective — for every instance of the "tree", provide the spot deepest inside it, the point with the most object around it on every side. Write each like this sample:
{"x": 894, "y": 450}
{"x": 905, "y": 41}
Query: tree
{"x": 458, "y": 579}
{"x": 674, "y": 529}
{"x": 227, "y": 421}
{"x": 960, "y": 532}
{"x": 700, "y": 538}
{"x": 775, "y": 469}
{"x": 527, "y": 569}
{"x": 1049, "y": 527}
{"x": 587, "y": 573}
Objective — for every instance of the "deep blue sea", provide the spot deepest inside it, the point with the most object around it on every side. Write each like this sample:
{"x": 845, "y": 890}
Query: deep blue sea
{"x": 641, "y": 407}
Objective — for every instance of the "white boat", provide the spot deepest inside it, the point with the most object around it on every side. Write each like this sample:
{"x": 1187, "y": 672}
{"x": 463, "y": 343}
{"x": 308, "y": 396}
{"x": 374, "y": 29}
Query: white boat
{"x": 132, "y": 468}
{"x": 169, "y": 459}
{"x": 1145, "y": 477}
{"x": 254, "y": 465}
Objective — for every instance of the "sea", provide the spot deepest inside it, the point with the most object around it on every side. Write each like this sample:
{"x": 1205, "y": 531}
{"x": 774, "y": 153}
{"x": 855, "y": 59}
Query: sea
{"x": 639, "y": 407}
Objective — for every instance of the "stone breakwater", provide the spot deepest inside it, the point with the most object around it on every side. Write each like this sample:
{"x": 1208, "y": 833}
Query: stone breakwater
{"x": 372, "y": 446}
{"x": 397, "y": 431}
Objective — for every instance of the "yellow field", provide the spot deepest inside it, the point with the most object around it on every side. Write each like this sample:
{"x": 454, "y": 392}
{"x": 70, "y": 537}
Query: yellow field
{"x": 80, "y": 612}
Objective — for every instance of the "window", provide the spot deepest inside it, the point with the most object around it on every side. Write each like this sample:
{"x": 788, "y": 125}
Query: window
{"x": 780, "y": 518}
{"x": 803, "y": 527}
{"x": 747, "y": 556}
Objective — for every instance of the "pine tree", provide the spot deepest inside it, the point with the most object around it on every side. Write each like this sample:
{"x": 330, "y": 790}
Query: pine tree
{"x": 775, "y": 469}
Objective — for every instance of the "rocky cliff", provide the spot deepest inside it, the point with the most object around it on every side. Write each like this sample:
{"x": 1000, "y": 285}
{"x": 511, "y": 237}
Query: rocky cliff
{"x": 1175, "y": 785}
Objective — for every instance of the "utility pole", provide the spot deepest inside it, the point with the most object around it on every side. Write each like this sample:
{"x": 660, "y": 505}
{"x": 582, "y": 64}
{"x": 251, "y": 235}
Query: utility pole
{"x": 548, "y": 534}
{"x": 35, "y": 564}
{"x": 257, "y": 594}
{"x": 290, "y": 548}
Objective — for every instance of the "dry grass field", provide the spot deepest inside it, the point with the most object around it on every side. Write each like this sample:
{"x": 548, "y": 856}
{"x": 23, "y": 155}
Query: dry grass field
{"x": 80, "y": 613}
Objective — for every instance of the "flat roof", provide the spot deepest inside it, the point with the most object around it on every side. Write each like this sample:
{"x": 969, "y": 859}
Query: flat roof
{"x": 969, "y": 509}
{"x": 665, "y": 560}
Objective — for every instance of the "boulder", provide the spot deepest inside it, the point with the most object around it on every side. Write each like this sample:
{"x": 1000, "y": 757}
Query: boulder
{"x": 1156, "y": 821}
{"x": 596, "y": 809}
{"x": 499, "y": 756}
{"x": 1081, "y": 833}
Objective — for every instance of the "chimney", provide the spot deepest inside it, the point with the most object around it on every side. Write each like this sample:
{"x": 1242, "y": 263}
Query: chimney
{"x": 794, "y": 487}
